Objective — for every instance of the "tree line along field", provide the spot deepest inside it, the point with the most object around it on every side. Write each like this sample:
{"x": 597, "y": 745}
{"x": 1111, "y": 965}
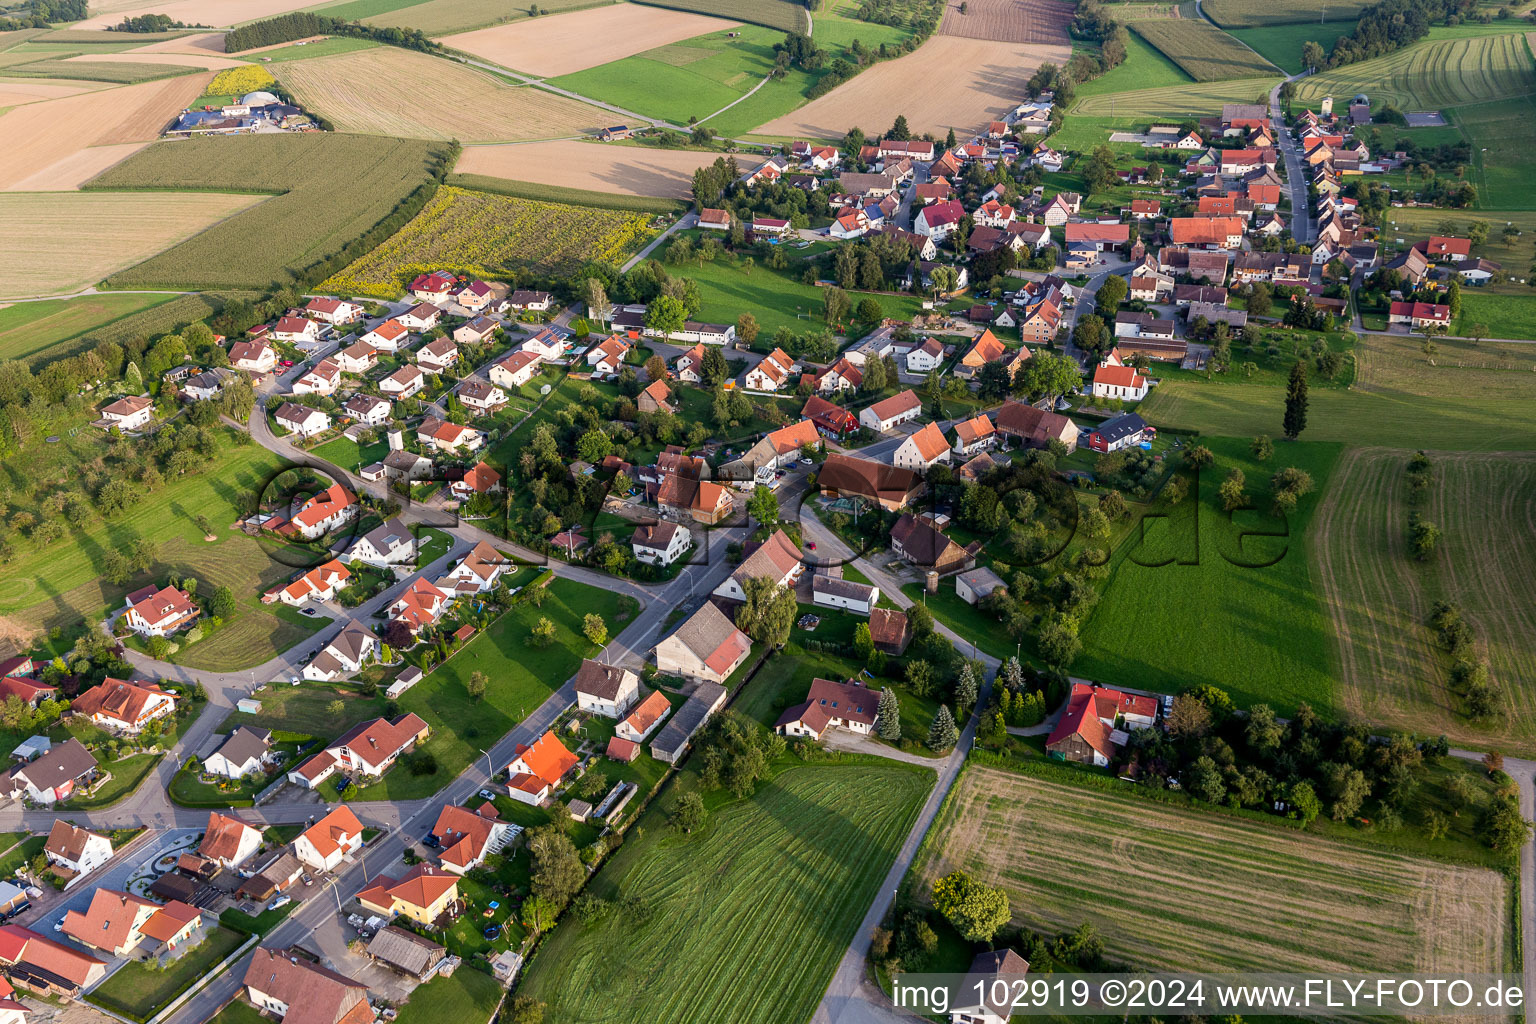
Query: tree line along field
{"x": 1255, "y": 13}
{"x": 490, "y": 235}
{"x": 381, "y": 91}
{"x": 749, "y": 916}
{"x": 63, "y": 241}
{"x": 1204, "y": 51}
{"x": 1185, "y": 890}
{"x": 1473, "y": 397}
{"x": 306, "y": 218}
{"x": 1380, "y": 598}
{"x": 1239, "y": 613}
{"x": 1412, "y": 223}
{"x": 1432, "y": 74}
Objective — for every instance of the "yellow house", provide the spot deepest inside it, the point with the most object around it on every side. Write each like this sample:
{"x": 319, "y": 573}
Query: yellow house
{"x": 424, "y": 894}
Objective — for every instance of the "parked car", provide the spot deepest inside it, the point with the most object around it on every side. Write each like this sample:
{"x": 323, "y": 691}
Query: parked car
{"x": 281, "y": 901}
{"x": 487, "y": 794}
{"x": 431, "y": 841}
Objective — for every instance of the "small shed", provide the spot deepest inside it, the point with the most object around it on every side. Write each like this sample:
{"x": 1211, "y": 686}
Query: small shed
{"x": 975, "y": 584}
{"x": 32, "y": 747}
{"x": 408, "y": 678}
{"x": 249, "y": 705}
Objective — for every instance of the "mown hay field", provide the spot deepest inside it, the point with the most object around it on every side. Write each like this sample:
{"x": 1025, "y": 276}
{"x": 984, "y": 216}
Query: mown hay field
{"x": 98, "y": 70}
{"x": 1471, "y": 398}
{"x": 1503, "y": 136}
{"x": 488, "y": 235}
{"x": 306, "y": 219}
{"x": 1380, "y": 598}
{"x": 218, "y": 13}
{"x": 784, "y": 15}
{"x": 1433, "y": 74}
{"x": 446, "y": 17}
{"x": 1253, "y": 13}
{"x": 751, "y": 915}
{"x": 1196, "y": 99}
{"x": 565, "y": 43}
{"x": 63, "y": 241}
{"x": 404, "y": 94}
{"x": 1174, "y": 889}
{"x": 30, "y": 328}
{"x": 42, "y": 137}
{"x": 14, "y": 92}
{"x": 1204, "y": 51}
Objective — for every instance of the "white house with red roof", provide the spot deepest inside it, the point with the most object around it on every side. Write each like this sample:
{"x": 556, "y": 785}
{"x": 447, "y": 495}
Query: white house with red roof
{"x": 1419, "y": 314}
{"x": 404, "y": 382}
{"x": 771, "y": 373}
{"x": 517, "y": 369}
{"x": 1111, "y": 380}
{"x": 433, "y": 287}
{"x": 357, "y": 358}
{"x": 714, "y": 220}
{"x": 159, "y": 611}
{"x": 296, "y": 329}
{"x": 477, "y": 572}
{"x": 333, "y": 311}
{"x": 480, "y": 479}
{"x": 706, "y": 646}
{"x": 329, "y": 841}
{"x": 420, "y": 606}
{"x": 467, "y": 837}
{"x": 939, "y": 220}
{"x": 325, "y": 511}
{"x": 889, "y": 413}
{"x": 1087, "y": 731}
{"x": 548, "y": 344}
{"x": 253, "y": 356}
{"x": 389, "y": 336}
{"x": 421, "y": 317}
{"x": 321, "y": 583}
{"x": 124, "y": 706}
{"x": 994, "y": 214}
{"x": 831, "y": 705}
{"x": 448, "y": 437}
{"x": 129, "y": 413}
{"x": 535, "y": 770}
{"x": 608, "y": 357}
{"x": 368, "y": 748}
{"x": 323, "y": 379}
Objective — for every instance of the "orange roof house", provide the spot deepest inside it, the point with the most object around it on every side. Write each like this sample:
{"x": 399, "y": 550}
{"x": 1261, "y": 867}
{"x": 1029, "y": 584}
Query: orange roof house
{"x": 535, "y": 769}
{"x": 424, "y": 894}
{"x": 644, "y": 719}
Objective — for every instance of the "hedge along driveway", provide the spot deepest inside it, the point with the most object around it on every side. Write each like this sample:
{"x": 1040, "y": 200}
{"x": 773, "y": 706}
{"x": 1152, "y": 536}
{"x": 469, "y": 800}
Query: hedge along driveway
{"x": 521, "y": 678}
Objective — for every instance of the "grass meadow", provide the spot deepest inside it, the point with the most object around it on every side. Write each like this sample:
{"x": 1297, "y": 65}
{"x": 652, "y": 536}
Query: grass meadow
{"x": 1413, "y": 223}
{"x": 137, "y": 991}
{"x": 1508, "y": 316}
{"x": 1144, "y": 67}
{"x": 1379, "y": 598}
{"x": 1251, "y": 13}
{"x": 1281, "y": 44}
{"x": 1279, "y": 899}
{"x": 1229, "y": 601}
{"x": 749, "y": 916}
{"x": 444, "y": 17}
{"x": 782, "y": 15}
{"x": 1502, "y": 134}
{"x": 1204, "y": 51}
{"x": 1174, "y": 102}
{"x": 31, "y": 329}
{"x": 1432, "y": 74}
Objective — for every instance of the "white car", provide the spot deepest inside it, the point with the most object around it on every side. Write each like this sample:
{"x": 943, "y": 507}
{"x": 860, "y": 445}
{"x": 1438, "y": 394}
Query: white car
{"x": 281, "y": 901}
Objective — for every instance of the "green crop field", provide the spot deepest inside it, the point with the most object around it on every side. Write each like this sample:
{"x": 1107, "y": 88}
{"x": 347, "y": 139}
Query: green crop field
{"x": 1346, "y": 906}
{"x": 749, "y": 917}
{"x": 521, "y": 678}
{"x": 1472, "y": 398}
{"x": 307, "y": 219}
{"x": 29, "y": 330}
{"x": 124, "y": 73}
{"x": 1253, "y": 13}
{"x": 1281, "y": 44}
{"x": 1502, "y": 134}
{"x": 492, "y": 235}
{"x": 1432, "y": 74}
{"x": 1380, "y": 598}
{"x": 1175, "y": 102}
{"x": 317, "y": 48}
{"x": 783, "y": 15}
{"x": 1204, "y": 51}
{"x": 1184, "y": 605}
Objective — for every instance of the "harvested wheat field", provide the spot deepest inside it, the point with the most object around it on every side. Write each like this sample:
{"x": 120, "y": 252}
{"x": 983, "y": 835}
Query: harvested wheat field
{"x": 965, "y": 84}
{"x": 207, "y": 61}
{"x": 68, "y": 174}
{"x": 595, "y": 166}
{"x": 1159, "y": 882}
{"x": 220, "y": 13}
{"x": 1007, "y": 21}
{"x": 61, "y": 241}
{"x": 1379, "y": 598}
{"x": 405, "y": 94}
{"x": 566, "y": 43}
{"x": 208, "y": 42}
{"x": 16, "y": 91}
{"x": 40, "y": 135}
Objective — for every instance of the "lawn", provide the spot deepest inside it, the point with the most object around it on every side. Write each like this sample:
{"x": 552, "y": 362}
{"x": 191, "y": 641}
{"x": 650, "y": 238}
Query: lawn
{"x": 1390, "y": 670}
{"x": 431, "y": 545}
{"x": 521, "y": 678}
{"x": 22, "y": 855}
{"x": 1345, "y": 906}
{"x": 136, "y": 991}
{"x": 28, "y": 328}
{"x": 749, "y": 917}
{"x": 1502, "y": 134}
{"x": 1508, "y": 316}
{"x": 1281, "y": 44}
{"x": 240, "y": 1012}
{"x": 302, "y": 712}
{"x": 967, "y": 620}
{"x": 1414, "y": 223}
{"x": 127, "y": 774}
{"x": 469, "y": 997}
{"x": 1250, "y": 13}
{"x": 1174, "y": 102}
{"x": 345, "y": 452}
{"x": 1188, "y": 604}
{"x": 776, "y": 298}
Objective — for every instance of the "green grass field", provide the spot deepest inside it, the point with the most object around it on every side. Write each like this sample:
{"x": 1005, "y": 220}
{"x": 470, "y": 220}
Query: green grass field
{"x": 307, "y": 51}
{"x": 305, "y": 221}
{"x": 1204, "y": 51}
{"x": 239, "y": 1012}
{"x": 1175, "y": 102}
{"x": 1281, "y": 44}
{"x": 345, "y": 452}
{"x": 783, "y": 15}
{"x": 1508, "y": 316}
{"x": 136, "y": 991}
{"x": 127, "y": 774}
{"x": 124, "y": 73}
{"x": 1413, "y": 223}
{"x": 1502, "y": 134}
{"x": 302, "y": 711}
{"x": 521, "y": 678}
{"x": 469, "y": 997}
{"x": 1144, "y": 67}
{"x": 31, "y": 329}
{"x": 1251, "y": 13}
{"x": 1432, "y": 74}
{"x": 21, "y": 855}
{"x": 1348, "y": 906}
{"x": 750, "y": 916}
{"x": 1472, "y": 398}
{"x": 443, "y": 17}
{"x": 1209, "y": 616}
